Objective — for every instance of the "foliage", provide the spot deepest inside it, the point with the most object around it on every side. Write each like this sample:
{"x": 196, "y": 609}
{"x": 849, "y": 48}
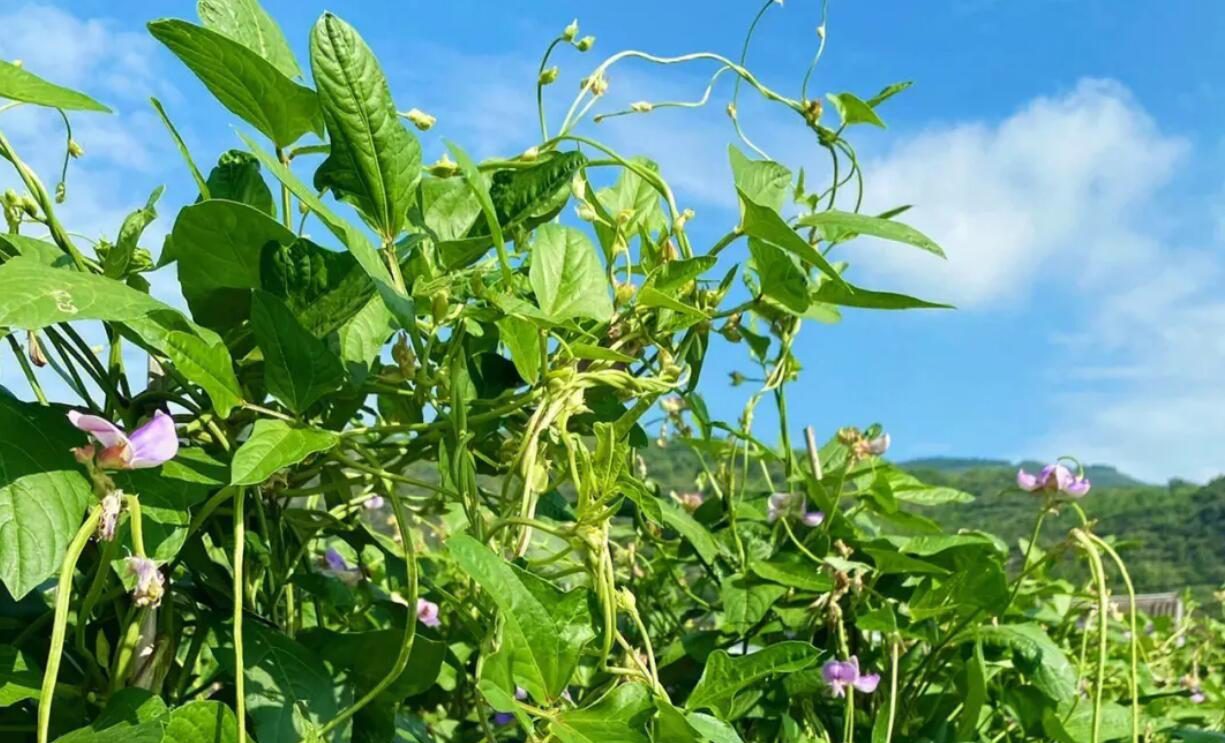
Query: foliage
{"x": 403, "y": 499}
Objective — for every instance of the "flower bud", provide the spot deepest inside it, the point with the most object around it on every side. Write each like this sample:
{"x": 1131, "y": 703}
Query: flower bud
{"x": 682, "y": 218}
{"x": 530, "y": 155}
{"x": 585, "y": 212}
{"x": 440, "y": 304}
{"x": 597, "y": 84}
{"x": 625, "y": 292}
{"x": 110, "y": 506}
{"x": 402, "y": 354}
{"x": 641, "y": 107}
{"x": 737, "y": 378}
{"x": 578, "y": 186}
{"x": 571, "y": 31}
{"x": 731, "y": 111}
{"x": 624, "y": 216}
{"x": 444, "y": 167}
{"x": 150, "y": 584}
{"x": 30, "y": 206}
{"x": 584, "y": 43}
{"x": 812, "y": 112}
{"x": 11, "y": 199}
{"x": 420, "y": 119}
{"x": 549, "y": 76}
{"x": 74, "y": 149}
{"x": 61, "y": 192}
{"x": 35, "y": 350}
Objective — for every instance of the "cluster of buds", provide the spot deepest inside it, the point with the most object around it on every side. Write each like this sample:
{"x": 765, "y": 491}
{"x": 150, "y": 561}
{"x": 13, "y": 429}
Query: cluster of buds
{"x": 444, "y": 167}
{"x": 548, "y": 76}
{"x": 812, "y": 112}
{"x": 597, "y": 83}
{"x": 17, "y": 206}
{"x": 1190, "y": 682}
{"x": 420, "y": 119}
{"x": 861, "y": 445}
{"x": 689, "y": 501}
{"x": 110, "y": 507}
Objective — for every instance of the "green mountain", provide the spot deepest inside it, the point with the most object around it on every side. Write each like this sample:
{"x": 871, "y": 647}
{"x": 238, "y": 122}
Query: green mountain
{"x": 1172, "y": 536}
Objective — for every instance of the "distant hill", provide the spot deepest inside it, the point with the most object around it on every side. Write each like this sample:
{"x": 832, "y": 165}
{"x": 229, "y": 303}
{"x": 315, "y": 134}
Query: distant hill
{"x": 1101, "y": 475}
{"x": 1172, "y": 536}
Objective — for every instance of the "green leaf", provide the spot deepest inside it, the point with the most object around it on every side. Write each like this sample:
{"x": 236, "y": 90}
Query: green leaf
{"x": 131, "y": 715}
{"x": 566, "y": 275}
{"x": 746, "y": 602}
{"x": 19, "y": 84}
{"x": 648, "y": 296}
{"x": 363, "y": 336}
{"x": 839, "y": 226}
{"x": 323, "y": 288}
{"x": 273, "y": 446}
{"x": 298, "y": 367}
{"x": 545, "y": 627}
{"x": 1076, "y": 725}
{"x": 763, "y": 182}
{"x": 688, "y": 527}
{"x": 289, "y": 689}
{"x": 674, "y": 275}
{"x": 236, "y": 177}
{"x": 243, "y": 81}
{"x": 375, "y": 162}
{"x": 1036, "y": 655}
{"x": 119, "y": 258}
{"x": 203, "y": 721}
{"x": 849, "y": 296}
{"x": 765, "y": 224}
{"x": 20, "y": 677}
{"x": 369, "y": 656}
{"x": 793, "y": 571}
{"x": 46, "y": 253}
{"x": 888, "y": 92}
{"x": 524, "y": 198}
{"x": 219, "y": 246}
{"x": 725, "y": 676}
{"x": 975, "y": 694}
{"x": 713, "y": 729}
{"x": 522, "y": 339}
{"x": 852, "y": 110}
{"x": 33, "y": 296}
{"x": 246, "y": 22}
{"x": 632, "y": 202}
{"x": 781, "y": 280}
{"x": 910, "y": 489}
{"x": 476, "y": 184}
{"x": 617, "y": 717}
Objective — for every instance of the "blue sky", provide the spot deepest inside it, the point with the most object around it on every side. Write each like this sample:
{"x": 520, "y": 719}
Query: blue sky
{"x": 1066, "y": 154}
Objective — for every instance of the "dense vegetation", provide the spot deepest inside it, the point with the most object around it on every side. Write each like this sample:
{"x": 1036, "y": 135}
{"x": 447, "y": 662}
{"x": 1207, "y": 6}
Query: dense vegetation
{"x": 387, "y": 483}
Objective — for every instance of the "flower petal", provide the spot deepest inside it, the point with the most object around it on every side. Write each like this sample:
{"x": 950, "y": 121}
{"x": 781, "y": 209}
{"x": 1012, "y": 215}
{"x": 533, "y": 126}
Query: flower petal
{"x": 1078, "y": 487}
{"x": 427, "y": 613}
{"x": 813, "y": 518}
{"x": 107, "y": 433}
{"x": 154, "y": 443}
{"x": 1026, "y": 481}
{"x": 867, "y": 684}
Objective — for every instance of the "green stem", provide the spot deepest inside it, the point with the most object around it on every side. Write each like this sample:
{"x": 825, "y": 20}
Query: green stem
{"x": 1099, "y": 579}
{"x": 1134, "y": 678}
{"x": 240, "y": 536}
{"x": 893, "y": 652}
{"x": 410, "y": 620}
{"x": 136, "y": 523}
{"x": 63, "y": 594}
{"x": 27, "y": 370}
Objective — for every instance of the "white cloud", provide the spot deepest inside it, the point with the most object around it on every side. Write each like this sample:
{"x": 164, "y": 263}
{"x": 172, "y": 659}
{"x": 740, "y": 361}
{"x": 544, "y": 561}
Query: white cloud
{"x": 1047, "y": 198}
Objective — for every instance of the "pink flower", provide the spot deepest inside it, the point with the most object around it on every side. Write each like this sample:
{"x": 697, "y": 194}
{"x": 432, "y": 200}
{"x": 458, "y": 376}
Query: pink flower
{"x": 841, "y": 674}
{"x": 427, "y": 613}
{"x": 373, "y": 503}
{"x": 1054, "y": 478}
{"x": 782, "y": 505}
{"x": 148, "y": 446}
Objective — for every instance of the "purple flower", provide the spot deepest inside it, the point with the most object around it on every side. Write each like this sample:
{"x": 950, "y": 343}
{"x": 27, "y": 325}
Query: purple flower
{"x": 427, "y": 613}
{"x": 373, "y": 503}
{"x": 336, "y": 566}
{"x": 148, "y": 446}
{"x": 1054, "y": 478}
{"x": 841, "y": 674}
{"x": 503, "y": 718}
{"x": 878, "y": 445}
{"x": 150, "y": 585}
{"x": 782, "y": 505}
{"x": 1197, "y": 697}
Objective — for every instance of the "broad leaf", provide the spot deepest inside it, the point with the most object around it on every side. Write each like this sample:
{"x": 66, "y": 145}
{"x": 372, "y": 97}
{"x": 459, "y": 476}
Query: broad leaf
{"x": 617, "y": 717}
{"x": 763, "y": 182}
{"x": 219, "y": 245}
{"x": 243, "y": 81}
{"x": 852, "y": 110}
{"x": 363, "y": 336}
{"x": 298, "y": 368}
{"x": 838, "y": 226}
{"x": 1037, "y": 655}
{"x": 375, "y": 162}
{"x": 545, "y": 627}
{"x": 273, "y": 446}
{"x": 522, "y": 339}
{"x": 289, "y": 689}
{"x": 524, "y": 198}
{"x": 33, "y": 296}
{"x": 845, "y": 295}
{"x": 781, "y": 280}
{"x": 19, "y": 84}
{"x": 745, "y": 602}
{"x": 236, "y": 177}
{"x": 246, "y": 22}
{"x": 566, "y": 275}
{"x": 20, "y": 677}
{"x": 131, "y": 715}
{"x": 369, "y": 657}
{"x": 725, "y": 675}
{"x": 119, "y": 257}
{"x": 765, "y": 224}
{"x": 203, "y": 721}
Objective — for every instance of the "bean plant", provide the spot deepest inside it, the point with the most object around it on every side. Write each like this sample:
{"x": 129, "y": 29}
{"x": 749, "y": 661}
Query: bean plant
{"x": 380, "y": 478}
